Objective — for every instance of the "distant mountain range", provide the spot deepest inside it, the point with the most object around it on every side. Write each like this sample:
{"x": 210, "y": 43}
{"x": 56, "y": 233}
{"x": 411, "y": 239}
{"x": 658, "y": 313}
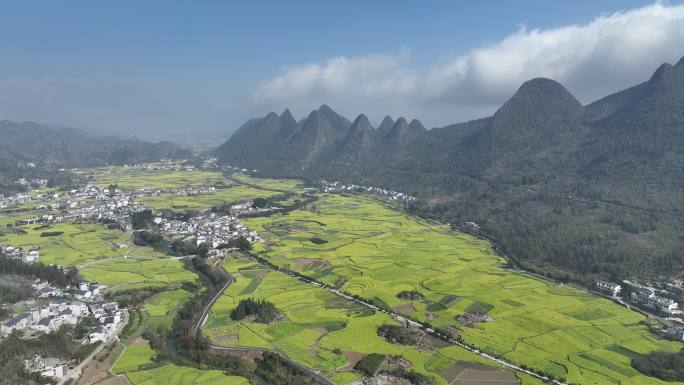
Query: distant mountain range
{"x": 49, "y": 148}
{"x": 568, "y": 189}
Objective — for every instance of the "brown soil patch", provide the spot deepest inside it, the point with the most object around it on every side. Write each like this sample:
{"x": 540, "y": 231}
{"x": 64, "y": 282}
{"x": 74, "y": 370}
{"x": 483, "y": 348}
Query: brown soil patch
{"x": 139, "y": 342}
{"x": 353, "y": 358}
{"x": 469, "y": 320}
{"x": 98, "y": 369}
{"x": 405, "y": 309}
{"x": 466, "y": 373}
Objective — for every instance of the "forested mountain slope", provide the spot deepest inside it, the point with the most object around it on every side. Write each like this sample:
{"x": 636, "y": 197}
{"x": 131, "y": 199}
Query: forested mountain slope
{"x": 568, "y": 189}
{"x": 32, "y": 150}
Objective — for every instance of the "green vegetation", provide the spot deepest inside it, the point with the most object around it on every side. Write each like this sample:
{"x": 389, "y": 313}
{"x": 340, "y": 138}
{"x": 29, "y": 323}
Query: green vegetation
{"x": 133, "y": 357}
{"x": 141, "y": 219}
{"x": 268, "y": 184}
{"x": 370, "y": 364}
{"x": 400, "y": 335}
{"x": 52, "y": 274}
{"x": 129, "y": 273}
{"x": 79, "y": 243}
{"x": 319, "y": 329}
{"x": 163, "y": 307}
{"x": 179, "y": 203}
{"x": 410, "y": 295}
{"x": 15, "y": 349}
{"x": 379, "y": 252}
{"x": 668, "y": 366}
{"x": 569, "y": 190}
{"x": 259, "y": 310}
{"x": 128, "y": 177}
{"x": 180, "y": 375}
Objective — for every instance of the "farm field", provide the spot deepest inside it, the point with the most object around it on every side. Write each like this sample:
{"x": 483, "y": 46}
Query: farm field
{"x": 163, "y": 307}
{"x": 133, "y": 357}
{"x": 173, "y": 202}
{"x": 270, "y": 184}
{"x": 376, "y": 251}
{"x": 131, "y": 273}
{"x": 320, "y": 330}
{"x": 180, "y": 375}
{"x": 128, "y": 177}
{"x": 77, "y": 244}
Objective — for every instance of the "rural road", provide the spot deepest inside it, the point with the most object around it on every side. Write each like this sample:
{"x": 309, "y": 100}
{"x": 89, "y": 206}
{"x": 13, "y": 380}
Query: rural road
{"x": 76, "y": 372}
{"x": 402, "y": 319}
{"x": 203, "y": 319}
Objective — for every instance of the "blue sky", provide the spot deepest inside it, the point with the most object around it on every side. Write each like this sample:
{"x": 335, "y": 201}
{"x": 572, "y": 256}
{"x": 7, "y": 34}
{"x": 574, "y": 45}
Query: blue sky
{"x": 159, "y": 68}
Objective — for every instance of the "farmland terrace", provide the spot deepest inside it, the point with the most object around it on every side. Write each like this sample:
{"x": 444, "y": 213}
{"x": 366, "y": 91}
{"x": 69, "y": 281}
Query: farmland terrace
{"x": 394, "y": 264}
{"x": 376, "y": 251}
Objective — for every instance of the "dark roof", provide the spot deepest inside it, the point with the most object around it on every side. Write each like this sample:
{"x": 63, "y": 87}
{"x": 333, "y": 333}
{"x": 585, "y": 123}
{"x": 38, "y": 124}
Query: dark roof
{"x": 45, "y": 321}
{"x": 15, "y": 320}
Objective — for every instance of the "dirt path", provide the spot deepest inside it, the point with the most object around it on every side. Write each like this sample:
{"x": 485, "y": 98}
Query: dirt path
{"x": 76, "y": 372}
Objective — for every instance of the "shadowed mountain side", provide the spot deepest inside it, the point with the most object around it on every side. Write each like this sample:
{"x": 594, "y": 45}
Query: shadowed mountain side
{"x": 566, "y": 188}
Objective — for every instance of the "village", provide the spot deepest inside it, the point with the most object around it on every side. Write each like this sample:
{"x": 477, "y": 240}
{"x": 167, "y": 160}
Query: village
{"x": 330, "y": 187}
{"x": 659, "y": 299}
{"x": 50, "y": 307}
{"x": 210, "y": 229}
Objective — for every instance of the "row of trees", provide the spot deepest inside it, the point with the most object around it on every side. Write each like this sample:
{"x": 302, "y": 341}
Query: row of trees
{"x": 58, "y": 276}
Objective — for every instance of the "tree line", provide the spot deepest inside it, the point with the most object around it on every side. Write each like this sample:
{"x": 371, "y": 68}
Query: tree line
{"x": 55, "y": 275}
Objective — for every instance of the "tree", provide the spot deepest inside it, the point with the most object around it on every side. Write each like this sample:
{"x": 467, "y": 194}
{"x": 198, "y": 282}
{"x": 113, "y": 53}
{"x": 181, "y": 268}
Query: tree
{"x": 259, "y": 203}
{"x": 241, "y": 243}
{"x": 141, "y": 219}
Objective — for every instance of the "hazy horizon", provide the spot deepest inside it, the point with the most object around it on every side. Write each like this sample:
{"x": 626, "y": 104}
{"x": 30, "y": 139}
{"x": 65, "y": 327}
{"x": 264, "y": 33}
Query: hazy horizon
{"x": 168, "y": 70}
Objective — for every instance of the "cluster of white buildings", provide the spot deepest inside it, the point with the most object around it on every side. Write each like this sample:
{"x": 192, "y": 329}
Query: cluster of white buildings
{"x": 19, "y": 253}
{"x": 109, "y": 319}
{"x": 44, "y": 290}
{"x": 165, "y": 165}
{"x": 14, "y": 200}
{"x": 93, "y": 203}
{"x": 89, "y": 292}
{"x": 86, "y": 300}
{"x": 211, "y": 229}
{"x": 647, "y": 297}
{"x": 47, "y": 319}
{"x": 390, "y": 194}
{"x": 610, "y": 288}
{"x": 66, "y": 312}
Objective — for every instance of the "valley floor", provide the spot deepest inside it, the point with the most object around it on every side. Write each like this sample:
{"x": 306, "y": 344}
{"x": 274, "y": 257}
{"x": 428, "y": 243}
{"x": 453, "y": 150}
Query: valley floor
{"x": 363, "y": 246}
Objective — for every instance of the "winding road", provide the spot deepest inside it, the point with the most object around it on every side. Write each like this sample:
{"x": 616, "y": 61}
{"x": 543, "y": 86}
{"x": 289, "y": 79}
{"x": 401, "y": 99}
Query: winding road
{"x": 203, "y": 319}
{"x": 396, "y": 316}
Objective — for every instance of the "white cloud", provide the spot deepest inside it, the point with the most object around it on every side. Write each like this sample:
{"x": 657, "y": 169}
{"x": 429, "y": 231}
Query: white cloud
{"x": 609, "y": 53}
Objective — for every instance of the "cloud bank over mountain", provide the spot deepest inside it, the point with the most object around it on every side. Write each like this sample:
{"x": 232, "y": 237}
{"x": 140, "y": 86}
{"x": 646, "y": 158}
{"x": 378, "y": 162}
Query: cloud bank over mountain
{"x": 593, "y": 59}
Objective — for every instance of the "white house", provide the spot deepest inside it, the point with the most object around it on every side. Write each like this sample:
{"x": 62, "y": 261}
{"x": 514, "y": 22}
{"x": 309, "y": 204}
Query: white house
{"x": 19, "y": 322}
{"x": 609, "y": 288}
{"x": 47, "y": 367}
